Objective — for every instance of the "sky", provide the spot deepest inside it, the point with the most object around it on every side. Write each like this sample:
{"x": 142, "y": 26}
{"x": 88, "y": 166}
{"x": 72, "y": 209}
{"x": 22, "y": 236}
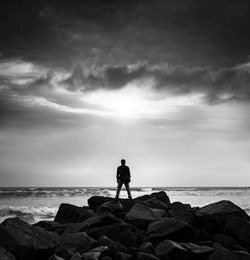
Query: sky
{"x": 162, "y": 84}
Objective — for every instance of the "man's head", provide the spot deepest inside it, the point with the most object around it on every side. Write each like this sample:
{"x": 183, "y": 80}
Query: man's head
{"x": 123, "y": 161}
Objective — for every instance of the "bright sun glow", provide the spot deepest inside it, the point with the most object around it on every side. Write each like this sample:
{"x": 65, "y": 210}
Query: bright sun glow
{"x": 134, "y": 102}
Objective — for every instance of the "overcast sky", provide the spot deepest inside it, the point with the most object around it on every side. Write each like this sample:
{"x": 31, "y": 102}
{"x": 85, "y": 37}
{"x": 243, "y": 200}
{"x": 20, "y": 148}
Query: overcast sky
{"x": 163, "y": 84}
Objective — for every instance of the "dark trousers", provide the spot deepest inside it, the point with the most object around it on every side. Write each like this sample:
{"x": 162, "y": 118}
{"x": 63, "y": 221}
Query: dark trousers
{"x": 119, "y": 186}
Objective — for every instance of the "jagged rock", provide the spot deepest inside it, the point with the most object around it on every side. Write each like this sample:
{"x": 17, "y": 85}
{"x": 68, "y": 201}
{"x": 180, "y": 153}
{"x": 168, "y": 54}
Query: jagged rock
{"x": 5, "y": 255}
{"x": 121, "y": 232}
{"x": 68, "y": 213}
{"x": 141, "y": 216}
{"x": 146, "y": 247}
{"x": 153, "y": 203}
{"x": 168, "y": 249}
{"x": 219, "y": 211}
{"x": 122, "y": 256}
{"x": 169, "y": 228}
{"x": 113, "y": 206}
{"x": 146, "y": 256}
{"x": 51, "y": 226}
{"x": 222, "y": 253}
{"x": 239, "y": 228}
{"x": 79, "y": 241}
{"x": 25, "y": 241}
{"x": 114, "y": 246}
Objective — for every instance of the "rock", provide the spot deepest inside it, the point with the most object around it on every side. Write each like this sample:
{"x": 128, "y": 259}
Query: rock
{"x": 141, "y": 216}
{"x": 27, "y": 242}
{"x": 222, "y": 253}
{"x": 146, "y": 256}
{"x": 114, "y": 246}
{"x": 76, "y": 256}
{"x": 161, "y": 195}
{"x": 171, "y": 250}
{"x": 179, "y": 206}
{"x": 100, "y": 220}
{"x": 239, "y": 228}
{"x": 68, "y": 213}
{"x": 5, "y": 255}
{"x": 169, "y": 228}
{"x": 153, "y": 203}
{"x": 121, "y": 232}
{"x": 219, "y": 211}
{"x": 122, "y": 256}
{"x": 51, "y": 226}
{"x": 242, "y": 255}
{"x": 146, "y": 247}
{"x": 113, "y": 206}
{"x": 56, "y": 257}
{"x": 79, "y": 241}
{"x": 183, "y": 215}
{"x": 95, "y": 253}
{"x": 225, "y": 241}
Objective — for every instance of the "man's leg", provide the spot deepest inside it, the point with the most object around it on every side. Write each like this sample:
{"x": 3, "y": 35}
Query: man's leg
{"x": 119, "y": 186}
{"x": 128, "y": 190}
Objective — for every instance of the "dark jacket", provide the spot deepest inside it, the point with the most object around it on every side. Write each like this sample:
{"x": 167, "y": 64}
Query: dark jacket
{"x": 123, "y": 173}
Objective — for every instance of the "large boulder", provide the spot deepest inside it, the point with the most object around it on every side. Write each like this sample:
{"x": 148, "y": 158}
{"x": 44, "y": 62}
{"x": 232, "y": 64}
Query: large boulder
{"x": 51, "y": 226}
{"x": 27, "y": 242}
{"x": 239, "y": 228}
{"x": 183, "y": 215}
{"x": 153, "y": 203}
{"x": 5, "y": 255}
{"x": 79, "y": 241}
{"x": 161, "y": 195}
{"x": 169, "y": 228}
{"x": 141, "y": 216}
{"x": 95, "y": 201}
{"x": 219, "y": 211}
{"x": 121, "y": 232}
{"x": 168, "y": 249}
{"x": 68, "y": 213}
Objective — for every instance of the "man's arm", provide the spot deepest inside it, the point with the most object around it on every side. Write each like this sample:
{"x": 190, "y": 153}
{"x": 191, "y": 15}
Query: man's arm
{"x": 117, "y": 174}
{"x": 129, "y": 172}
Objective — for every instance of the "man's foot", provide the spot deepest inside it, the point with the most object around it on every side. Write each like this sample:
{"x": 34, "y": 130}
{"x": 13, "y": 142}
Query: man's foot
{"x": 116, "y": 199}
{"x": 130, "y": 198}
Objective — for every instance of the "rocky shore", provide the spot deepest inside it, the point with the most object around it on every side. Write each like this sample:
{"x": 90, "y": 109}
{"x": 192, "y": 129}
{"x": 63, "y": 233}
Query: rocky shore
{"x": 149, "y": 227}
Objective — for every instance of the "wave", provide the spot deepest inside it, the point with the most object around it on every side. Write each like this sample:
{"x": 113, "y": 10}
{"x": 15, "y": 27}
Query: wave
{"x": 28, "y": 214}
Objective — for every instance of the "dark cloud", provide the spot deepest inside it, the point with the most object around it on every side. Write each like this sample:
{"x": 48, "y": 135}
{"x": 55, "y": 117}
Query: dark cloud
{"x": 59, "y": 33}
{"x": 218, "y": 85}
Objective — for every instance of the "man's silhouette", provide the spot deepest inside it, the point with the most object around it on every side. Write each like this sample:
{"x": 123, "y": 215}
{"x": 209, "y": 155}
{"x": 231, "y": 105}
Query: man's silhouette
{"x": 123, "y": 177}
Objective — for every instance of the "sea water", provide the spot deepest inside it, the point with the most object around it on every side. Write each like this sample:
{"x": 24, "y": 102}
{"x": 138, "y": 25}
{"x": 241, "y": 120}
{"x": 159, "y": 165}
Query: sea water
{"x": 33, "y": 204}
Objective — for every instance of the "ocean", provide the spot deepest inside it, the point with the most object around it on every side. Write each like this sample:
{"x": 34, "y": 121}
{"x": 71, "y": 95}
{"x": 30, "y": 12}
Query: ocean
{"x": 34, "y": 204}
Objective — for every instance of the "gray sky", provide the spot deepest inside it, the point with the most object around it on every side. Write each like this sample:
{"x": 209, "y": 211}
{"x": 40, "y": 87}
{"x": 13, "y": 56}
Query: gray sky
{"x": 163, "y": 84}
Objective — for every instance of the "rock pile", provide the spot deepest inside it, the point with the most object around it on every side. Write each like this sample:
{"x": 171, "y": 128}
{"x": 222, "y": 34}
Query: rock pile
{"x": 146, "y": 228}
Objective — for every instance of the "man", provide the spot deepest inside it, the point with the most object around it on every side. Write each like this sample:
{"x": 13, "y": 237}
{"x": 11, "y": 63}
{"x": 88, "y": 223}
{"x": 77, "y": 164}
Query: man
{"x": 123, "y": 177}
